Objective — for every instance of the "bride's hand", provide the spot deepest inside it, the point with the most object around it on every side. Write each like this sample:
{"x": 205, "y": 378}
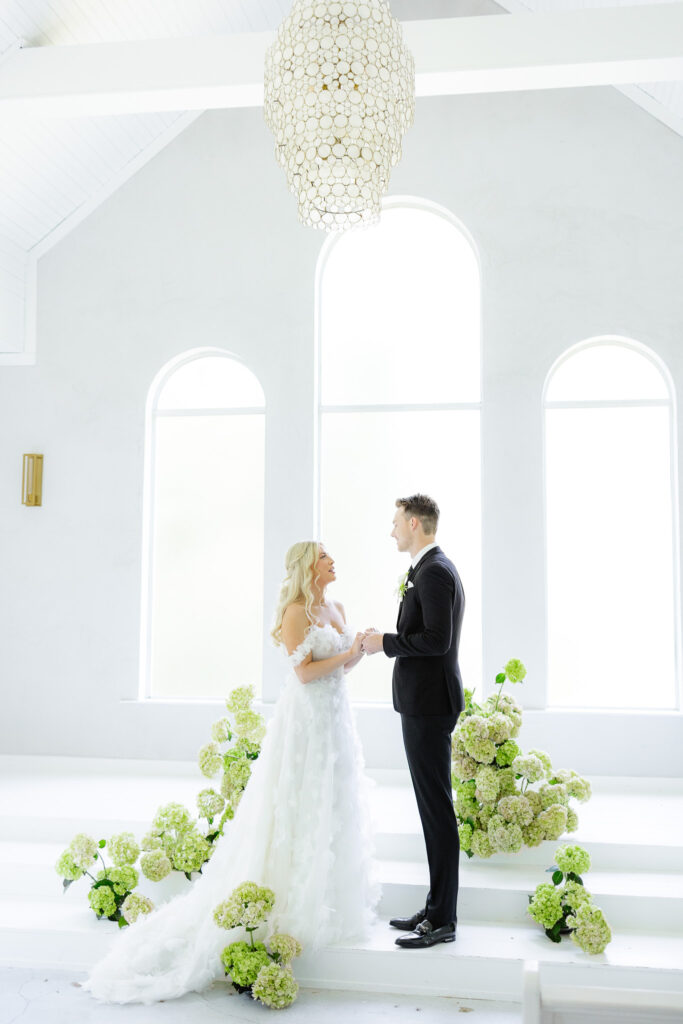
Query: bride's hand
{"x": 356, "y": 651}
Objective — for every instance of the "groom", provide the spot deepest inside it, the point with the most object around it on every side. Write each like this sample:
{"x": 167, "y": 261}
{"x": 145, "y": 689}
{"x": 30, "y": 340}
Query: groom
{"x": 427, "y": 691}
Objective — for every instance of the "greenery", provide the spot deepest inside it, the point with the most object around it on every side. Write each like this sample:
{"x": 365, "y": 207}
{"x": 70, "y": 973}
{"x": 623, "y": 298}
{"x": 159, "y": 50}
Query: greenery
{"x": 564, "y": 906}
{"x": 497, "y": 807}
{"x": 265, "y": 973}
{"x": 175, "y": 841}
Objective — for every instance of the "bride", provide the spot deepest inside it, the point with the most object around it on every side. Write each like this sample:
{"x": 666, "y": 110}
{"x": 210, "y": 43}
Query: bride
{"x": 302, "y": 827}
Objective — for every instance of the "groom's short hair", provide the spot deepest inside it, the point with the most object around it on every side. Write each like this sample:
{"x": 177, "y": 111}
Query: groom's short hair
{"x": 423, "y": 508}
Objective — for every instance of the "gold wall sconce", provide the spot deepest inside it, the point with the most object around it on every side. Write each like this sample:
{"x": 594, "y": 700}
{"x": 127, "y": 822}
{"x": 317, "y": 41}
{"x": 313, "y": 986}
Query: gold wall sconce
{"x": 32, "y": 480}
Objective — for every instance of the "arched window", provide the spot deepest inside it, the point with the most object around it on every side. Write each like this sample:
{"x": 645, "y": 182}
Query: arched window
{"x": 399, "y": 412}
{"x": 203, "y": 588}
{"x": 611, "y": 538}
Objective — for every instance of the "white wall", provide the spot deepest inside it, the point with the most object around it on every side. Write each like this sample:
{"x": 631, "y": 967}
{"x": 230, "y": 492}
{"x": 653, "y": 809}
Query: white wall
{"x": 575, "y": 203}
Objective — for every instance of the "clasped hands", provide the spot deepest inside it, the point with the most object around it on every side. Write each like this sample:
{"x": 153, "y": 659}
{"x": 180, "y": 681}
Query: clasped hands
{"x": 371, "y": 641}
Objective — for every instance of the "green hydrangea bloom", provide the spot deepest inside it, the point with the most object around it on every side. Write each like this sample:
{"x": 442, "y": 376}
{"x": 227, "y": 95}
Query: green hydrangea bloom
{"x": 572, "y": 858}
{"x": 546, "y": 905}
{"x": 66, "y": 867}
{"x": 553, "y": 821}
{"x": 544, "y": 759}
{"x": 590, "y": 930}
{"x": 465, "y": 833}
{"x": 506, "y": 753}
{"x": 221, "y": 731}
{"x": 507, "y": 783}
{"x": 238, "y": 774}
{"x": 553, "y": 795}
{"x": 83, "y": 849}
{"x": 247, "y": 747}
{"x": 483, "y": 751}
{"x": 533, "y": 834}
{"x": 123, "y": 849}
{"x": 572, "y": 820}
{"x": 481, "y": 844}
{"x": 579, "y": 788}
{"x": 171, "y": 816}
{"x": 190, "y": 851}
{"x": 227, "y": 815}
{"x": 125, "y": 878}
{"x": 535, "y": 801}
{"x": 275, "y": 986}
{"x": 231, "y": 912}
{"x": 151, "y": 841}
{"x": 102, "y": 901}
{"x": 486, "y": 812}
{"x": 574, "y": 894}
{"x": 209, "y": 803}
{"x": 509, "y": 706}
{"x": 515, "y": 670}
{"x": 516, "y": 809}
{"x": 504, "y": 838}
{"x": 500, "y": 727}
{"x": 487, "y": 784}
{"x": 243, "y": 961}
{"x": 155, "y": 865}
{"x": 250, "y": 725}
{"x": 464, "y": 766}
{"x": 529, "y": 766}
{"x": 240, "y": 699}
{"x": 286, "y": 947}
{"x": 136, "y": 905}
{"x": 465, "y": 805}
{"x": 210, "y": 760}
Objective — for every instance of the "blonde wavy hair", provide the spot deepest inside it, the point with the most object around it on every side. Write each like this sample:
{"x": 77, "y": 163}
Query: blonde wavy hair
{"x": 298, "y": 583}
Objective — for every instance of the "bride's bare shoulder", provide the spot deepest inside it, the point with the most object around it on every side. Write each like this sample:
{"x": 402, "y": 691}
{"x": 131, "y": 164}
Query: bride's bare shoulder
{"x": 295, "y": 612}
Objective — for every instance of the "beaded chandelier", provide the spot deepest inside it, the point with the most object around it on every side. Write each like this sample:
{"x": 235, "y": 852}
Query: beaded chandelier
{"x": 339, "y": 94}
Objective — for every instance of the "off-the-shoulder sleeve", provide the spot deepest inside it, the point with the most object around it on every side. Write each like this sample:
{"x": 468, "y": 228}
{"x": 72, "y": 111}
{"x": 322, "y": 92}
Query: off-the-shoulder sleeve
{"x": 299, "y": 653}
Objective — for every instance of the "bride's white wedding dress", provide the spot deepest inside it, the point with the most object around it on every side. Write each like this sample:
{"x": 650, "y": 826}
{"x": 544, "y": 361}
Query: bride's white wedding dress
{"x": 302, "y": 828}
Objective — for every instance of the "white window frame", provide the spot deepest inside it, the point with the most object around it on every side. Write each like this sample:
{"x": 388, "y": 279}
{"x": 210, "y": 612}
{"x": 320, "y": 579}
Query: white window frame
{"x": 389, "y": 203}
{"x": 619, "y": 341}
{"x": 152, "y": 414}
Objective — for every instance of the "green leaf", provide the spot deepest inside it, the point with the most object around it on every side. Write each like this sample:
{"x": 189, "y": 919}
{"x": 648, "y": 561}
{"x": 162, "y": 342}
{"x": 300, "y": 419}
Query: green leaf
{"x": 500, "y": 679}
{"x": 557, "y": 877}
{"x": 553, "y": 868}
{"x": 573, "y": 877}
{"x": 66, "y": 882}
{"x": 103, "y": 881}
{"x": 469, "y": 854}
{"x": 553, "y": 935}
{"x": 122, "y": 922}
{"x": 188, "y": 875}
{"x": 554, "y": 782}
{"x": 102, "y": 843}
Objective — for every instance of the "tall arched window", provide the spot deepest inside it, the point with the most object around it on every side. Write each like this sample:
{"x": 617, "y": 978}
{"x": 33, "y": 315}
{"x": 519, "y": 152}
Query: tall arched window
{"x": 611, "y": 536}
{"x": 399, "y": 412}
{"x": 203, "y": 600}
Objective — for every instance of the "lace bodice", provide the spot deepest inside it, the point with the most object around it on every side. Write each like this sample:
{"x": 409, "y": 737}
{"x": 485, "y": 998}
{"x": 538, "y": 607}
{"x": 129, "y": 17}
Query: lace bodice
{"x": 323, "y": 642}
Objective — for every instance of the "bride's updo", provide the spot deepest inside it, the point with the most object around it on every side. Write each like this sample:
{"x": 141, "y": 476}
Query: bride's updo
{"x": 297, "y": 585}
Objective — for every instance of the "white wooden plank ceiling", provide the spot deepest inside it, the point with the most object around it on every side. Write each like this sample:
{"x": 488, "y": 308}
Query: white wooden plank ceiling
{"x": 50, "y": 169}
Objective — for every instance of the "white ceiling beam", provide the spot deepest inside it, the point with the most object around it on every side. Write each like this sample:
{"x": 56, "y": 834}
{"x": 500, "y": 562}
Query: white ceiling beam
{"x": 547, "y": 50}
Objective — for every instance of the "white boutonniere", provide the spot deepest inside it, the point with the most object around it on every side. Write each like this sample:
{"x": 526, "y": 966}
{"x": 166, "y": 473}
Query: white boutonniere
{"x": 404, "y": 584}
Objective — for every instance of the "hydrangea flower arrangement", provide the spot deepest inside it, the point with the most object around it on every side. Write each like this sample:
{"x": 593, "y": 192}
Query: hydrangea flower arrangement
{"x": 497, "y": 809}
{"x": 111, "y": 893}
{"x": 174, "y": 841}
{"x": 566, "y": 906}
{"x": 235, "y": 744}
{"x": 251, "y": 966}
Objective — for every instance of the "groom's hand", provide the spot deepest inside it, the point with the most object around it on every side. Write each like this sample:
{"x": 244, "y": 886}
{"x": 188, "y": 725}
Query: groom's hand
{"x": 372, "y": 642}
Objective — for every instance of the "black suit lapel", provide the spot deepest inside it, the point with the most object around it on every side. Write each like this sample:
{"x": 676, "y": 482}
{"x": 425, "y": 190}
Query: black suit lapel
{"x": 412, "y": 574}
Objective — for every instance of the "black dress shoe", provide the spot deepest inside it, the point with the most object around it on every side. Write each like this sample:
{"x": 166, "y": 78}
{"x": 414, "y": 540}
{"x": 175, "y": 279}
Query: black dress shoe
{"x": 407, "y": 924}
{"x": 425, "y": 935}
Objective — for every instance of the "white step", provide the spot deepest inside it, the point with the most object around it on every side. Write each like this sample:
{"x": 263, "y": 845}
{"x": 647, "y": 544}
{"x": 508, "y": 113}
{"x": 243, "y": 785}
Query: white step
{"x": 488, "y": 892}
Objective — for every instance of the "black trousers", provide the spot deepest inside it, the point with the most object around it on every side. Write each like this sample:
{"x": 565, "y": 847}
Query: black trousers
{"x": 427, "y": 740}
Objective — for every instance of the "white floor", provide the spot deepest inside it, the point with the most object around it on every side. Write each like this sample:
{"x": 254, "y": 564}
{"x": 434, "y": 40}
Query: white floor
{"x": 53, "y": 997}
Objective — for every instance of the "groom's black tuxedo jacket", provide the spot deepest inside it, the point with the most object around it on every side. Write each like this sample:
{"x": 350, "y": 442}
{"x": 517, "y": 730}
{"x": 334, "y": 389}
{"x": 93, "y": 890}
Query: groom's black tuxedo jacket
{"x": 426, "y": 678}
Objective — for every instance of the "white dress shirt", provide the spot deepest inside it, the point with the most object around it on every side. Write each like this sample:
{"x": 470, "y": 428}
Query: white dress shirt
{"x": 423, "y": 551}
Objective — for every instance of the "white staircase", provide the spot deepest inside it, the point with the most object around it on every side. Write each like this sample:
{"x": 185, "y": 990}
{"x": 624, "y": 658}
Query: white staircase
{"x": 633, "y": 829}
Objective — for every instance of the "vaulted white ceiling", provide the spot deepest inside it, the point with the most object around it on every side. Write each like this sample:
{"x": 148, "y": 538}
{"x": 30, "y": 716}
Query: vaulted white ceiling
{"x": 53, "y": 171}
